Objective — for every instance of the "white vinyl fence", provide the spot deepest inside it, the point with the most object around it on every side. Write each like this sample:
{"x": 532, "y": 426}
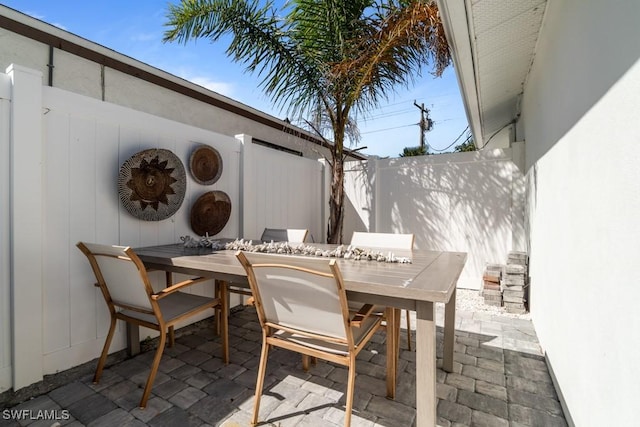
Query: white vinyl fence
{"x": 60, "y": 155}
{"x": 280, "y": 190}
{"x": 85, "y": 142}
{"x": 469, "y": 202}
{"x": 66, "y": 153}
{"x": 5, "y": 301}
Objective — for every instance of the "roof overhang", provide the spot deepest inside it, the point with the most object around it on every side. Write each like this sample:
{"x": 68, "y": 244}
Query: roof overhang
{"x": 493, "y": 44}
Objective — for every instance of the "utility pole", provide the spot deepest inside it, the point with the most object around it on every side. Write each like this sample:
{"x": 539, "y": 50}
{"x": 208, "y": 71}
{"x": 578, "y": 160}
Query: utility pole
{"x": 426, "y": 124}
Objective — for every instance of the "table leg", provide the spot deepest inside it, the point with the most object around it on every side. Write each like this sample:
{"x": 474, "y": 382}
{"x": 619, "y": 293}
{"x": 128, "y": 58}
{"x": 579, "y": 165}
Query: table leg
{"x": 218, "y": 285}
{"x": 426, "y": 400}
{"x": 223, "y": 324}
{"x": 397, "y": 312}
{"x": 392, "y": 359}
{"x": 133, "y": 339}
{"x": 449, "y": 332}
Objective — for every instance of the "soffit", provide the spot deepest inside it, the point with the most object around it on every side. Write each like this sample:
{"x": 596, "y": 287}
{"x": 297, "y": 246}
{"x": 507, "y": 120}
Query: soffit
{"x": 501, "y": 37}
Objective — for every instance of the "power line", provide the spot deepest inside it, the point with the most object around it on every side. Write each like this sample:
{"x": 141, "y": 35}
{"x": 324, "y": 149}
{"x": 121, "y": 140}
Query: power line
{"x": 381, "y": 109}
{"x": 402, "y": 102}
{"x": 430, "y": 98}
{"x": 382, "y": 130}
{"x": 456, "y": 140}
{"x": 382, "y": 115}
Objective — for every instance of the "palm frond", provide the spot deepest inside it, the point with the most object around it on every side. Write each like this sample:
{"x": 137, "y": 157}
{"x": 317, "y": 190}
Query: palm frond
{"x": 324, "y": 57}
{"x": 332, "y": 55}
{"x": 402, "y": 39}
{"x": 259, "y": 39}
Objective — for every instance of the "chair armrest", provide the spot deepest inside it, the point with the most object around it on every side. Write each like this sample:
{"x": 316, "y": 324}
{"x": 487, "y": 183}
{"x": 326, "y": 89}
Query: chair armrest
{"x": 364, "y": 312}
{"x": 171, "y": 289}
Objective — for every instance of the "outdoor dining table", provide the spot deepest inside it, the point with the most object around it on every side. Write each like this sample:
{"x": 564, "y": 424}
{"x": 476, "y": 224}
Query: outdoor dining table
{"x": 429, "y": 278}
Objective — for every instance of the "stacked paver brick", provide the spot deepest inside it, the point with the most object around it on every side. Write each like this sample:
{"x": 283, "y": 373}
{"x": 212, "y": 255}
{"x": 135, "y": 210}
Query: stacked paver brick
{"x": 491, "y": 284}
{"x": 515, "y": 282}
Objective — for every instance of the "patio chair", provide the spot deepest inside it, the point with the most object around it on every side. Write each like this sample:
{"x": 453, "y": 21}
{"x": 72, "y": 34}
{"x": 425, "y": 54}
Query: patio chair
{"x": 296, "y": 235}
{"x": 302, "y": 306}
{"x": 386, "y": 241}
{"x": 125, "y": 286}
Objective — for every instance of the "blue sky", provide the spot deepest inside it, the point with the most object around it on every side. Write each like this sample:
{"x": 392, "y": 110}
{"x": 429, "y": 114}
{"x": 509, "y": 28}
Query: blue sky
{"x": 135, "y": 28}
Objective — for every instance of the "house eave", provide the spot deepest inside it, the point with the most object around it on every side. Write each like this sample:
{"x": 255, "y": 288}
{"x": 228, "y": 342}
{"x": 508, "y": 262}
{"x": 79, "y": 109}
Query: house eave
{"x": 493, "y": 48}
{"x": 455, "y": 22}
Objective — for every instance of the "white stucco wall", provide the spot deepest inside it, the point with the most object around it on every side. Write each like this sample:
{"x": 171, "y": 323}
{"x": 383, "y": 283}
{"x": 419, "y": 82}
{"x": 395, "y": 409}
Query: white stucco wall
{"x": 580, "y": 122}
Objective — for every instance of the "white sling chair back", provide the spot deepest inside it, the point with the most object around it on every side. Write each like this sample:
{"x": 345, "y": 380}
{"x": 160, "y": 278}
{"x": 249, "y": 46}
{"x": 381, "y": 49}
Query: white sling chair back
{"x": 295, "y": 235}
{"x": 386, "y": 241}
{"x": 125, "y": 286}
{"x": 302, "y": 306}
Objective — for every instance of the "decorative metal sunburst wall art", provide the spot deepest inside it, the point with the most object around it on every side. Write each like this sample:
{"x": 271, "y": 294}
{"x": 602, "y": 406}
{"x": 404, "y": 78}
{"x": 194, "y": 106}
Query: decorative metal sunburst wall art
{"x": 152, "y": 184}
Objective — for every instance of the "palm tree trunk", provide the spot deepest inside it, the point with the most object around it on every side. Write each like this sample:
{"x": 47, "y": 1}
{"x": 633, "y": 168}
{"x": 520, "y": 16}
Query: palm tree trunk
{"x": 336, "y": 200}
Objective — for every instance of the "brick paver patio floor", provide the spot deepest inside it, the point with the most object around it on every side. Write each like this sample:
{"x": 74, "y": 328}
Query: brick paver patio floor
{"x": 500, "y": 379}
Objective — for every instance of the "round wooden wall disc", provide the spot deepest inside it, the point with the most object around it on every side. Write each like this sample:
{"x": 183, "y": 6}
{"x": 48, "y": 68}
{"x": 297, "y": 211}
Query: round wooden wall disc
{"x": 205, "y": 164}
{"x": 152, "y": 184}
{"x": 210, "y": 213}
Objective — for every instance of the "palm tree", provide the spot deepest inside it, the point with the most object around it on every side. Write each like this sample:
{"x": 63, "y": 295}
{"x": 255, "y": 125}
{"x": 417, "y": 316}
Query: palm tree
{"x": 329, "y": 59}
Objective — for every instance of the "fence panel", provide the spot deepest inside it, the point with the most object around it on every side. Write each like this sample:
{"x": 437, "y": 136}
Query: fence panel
{"x": 5, "y": 319}
{"x": 457, "y": 202}
{"x": 85, "y": 142}
{"x": 281, "y": 191}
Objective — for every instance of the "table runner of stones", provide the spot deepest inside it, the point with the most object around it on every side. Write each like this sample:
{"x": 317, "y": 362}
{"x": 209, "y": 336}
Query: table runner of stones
{"x": 287, "y": 248}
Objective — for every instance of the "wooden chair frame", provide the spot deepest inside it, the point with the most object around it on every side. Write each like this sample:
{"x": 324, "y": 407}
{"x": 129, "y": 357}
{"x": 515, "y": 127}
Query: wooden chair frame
{"x": 161, "y": 324}
{"x": 270, "y": 329}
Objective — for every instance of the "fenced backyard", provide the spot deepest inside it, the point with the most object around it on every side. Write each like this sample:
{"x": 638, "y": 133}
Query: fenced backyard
{"x": 60, "y": 186}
